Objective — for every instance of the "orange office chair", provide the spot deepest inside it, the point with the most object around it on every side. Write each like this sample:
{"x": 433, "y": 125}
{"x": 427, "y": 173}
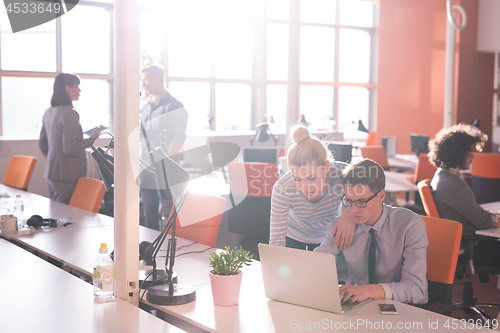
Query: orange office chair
{"x": 486, "y": 177}
{"x": 251, "y": 187}
{"x": 424, "y": 189}
{"x": 442, "y": 254}
{"x": 468, "y": 304}
{"x": 376, "y": 153}
{"x": 424, "y": 169}
{"x": 88, "y": 194}
{"x": 200, "y": 217}
{"x": 19, "y": 171}
{"x": 372, "y": 138}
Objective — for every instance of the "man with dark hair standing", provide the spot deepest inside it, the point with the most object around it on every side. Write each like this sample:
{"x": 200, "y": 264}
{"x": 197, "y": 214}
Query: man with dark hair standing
{"x": 164, "y": 120}
{"x": 387, "y": 257}
{"x": 451, "y": 151}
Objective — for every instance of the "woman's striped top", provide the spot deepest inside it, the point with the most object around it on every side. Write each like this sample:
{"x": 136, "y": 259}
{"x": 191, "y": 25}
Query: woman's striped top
{"x": 294, "y": 216}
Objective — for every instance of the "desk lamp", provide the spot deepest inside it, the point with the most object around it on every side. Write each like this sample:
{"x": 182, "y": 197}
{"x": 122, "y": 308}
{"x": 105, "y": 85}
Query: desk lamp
{"x": 105, "y": 162}
{"x": 263, "y": 134}
{"x": 171, "y": 177}
{"x": 362, "y": 127}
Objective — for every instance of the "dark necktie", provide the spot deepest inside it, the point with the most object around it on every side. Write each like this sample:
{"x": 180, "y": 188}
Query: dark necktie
{"x": 371, "y": 257}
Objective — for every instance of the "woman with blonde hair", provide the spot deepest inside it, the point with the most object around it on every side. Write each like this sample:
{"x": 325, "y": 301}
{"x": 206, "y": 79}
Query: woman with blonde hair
{"x": 307, "y": 198}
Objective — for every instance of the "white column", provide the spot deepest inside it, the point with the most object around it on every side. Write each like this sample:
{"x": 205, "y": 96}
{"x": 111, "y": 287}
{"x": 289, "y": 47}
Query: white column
{"x": 126, "y": 116}
{"x": 449, "y": 70}
{"x": 292, "y": 113}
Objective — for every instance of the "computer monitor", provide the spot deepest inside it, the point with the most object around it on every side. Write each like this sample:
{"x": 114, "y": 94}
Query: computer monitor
{"x": 342, "y": 151}
{"x": 419, "y": 143}
{"x": 260, "y": 155}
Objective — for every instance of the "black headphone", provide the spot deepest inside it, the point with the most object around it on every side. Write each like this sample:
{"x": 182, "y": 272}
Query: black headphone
{"x": 37, "y": 221}
{"x": 145, "y": 250}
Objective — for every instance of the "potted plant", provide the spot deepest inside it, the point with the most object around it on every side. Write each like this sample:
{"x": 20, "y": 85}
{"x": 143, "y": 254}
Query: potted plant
{"x": 225, "y": 276}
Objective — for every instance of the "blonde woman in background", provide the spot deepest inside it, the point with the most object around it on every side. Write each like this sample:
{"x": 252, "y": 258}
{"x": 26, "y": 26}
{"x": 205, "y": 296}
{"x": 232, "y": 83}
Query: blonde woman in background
{"x": 307, "y": 199}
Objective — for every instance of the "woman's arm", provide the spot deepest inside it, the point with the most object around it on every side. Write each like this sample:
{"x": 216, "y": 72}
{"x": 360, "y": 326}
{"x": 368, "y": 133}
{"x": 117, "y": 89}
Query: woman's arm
{"x": 280, "y": 204}
{"x": 43, "y": 143}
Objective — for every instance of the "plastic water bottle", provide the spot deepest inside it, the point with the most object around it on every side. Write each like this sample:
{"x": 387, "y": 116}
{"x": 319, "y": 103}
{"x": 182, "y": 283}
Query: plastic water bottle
{"x": 104, "y": 276}
{"x": 18, "y": 207}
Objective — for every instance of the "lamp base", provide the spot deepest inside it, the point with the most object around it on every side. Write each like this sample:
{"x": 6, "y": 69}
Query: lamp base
{"x": 160, "y": 294}
{"x": 146, "y": 278}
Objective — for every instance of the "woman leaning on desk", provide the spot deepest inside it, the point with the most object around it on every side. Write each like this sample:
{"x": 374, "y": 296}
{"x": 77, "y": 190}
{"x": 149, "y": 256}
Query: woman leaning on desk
{"x": 61, "y": 140}
{"x": 451, "y": 151}
{"x": 307, "y": 198}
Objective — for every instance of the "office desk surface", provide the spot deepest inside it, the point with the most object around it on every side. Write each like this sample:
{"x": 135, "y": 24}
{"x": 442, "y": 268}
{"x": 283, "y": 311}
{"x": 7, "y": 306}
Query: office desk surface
{"x": 78, "y": 247}
{"x": 492, "y": 206}
{"x": 256, "y": 313}
{"x": 35, "y": 204}
{"x": 39, "y": 297}
{"x": 398, "y": 182}
{"x": 494, "y": 232}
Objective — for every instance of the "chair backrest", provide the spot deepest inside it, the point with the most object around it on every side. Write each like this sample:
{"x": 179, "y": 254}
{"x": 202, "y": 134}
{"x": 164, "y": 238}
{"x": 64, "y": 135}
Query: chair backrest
{"x": 88, "y": 194}
{"x": 424, "y": 189}
{"x": 424, "y": 169}
{"x": 486, "y": 177}
{"x": 252, "y": 179}
{"x": 372, "y": 138}
{"x": 442, "y": 253}
{"x": 376, "y": 153}
{"x": 251, "y": 187}
{"x": 19, "y": 171}
{"x": 200, "y": 217}
{"x": 486, "y": 165}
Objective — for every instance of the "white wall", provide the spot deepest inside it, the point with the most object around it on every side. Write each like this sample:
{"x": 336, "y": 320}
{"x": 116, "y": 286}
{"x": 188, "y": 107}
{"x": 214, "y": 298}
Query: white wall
{"x": 488, "y": 29}
{"x": 11, "y": 147}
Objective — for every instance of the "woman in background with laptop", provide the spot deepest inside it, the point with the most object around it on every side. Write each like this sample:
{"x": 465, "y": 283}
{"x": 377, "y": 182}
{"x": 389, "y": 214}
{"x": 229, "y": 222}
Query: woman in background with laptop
{"x": 307, "y": 198}
{"x": 61, "y": 140}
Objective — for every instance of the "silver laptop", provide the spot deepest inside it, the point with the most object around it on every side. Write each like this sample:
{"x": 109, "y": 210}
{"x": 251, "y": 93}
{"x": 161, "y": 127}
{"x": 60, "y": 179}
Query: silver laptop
{"x": 302, "y": 277}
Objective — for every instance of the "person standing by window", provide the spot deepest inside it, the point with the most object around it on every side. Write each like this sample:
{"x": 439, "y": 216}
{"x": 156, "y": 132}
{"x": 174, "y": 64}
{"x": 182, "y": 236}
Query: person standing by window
{"x": 61, "y": 140}
{"x": 164, "y": 121}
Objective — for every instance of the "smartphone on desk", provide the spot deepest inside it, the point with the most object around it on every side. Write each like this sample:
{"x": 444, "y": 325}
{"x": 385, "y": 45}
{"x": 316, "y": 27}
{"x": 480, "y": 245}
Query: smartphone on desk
{"x": 386, "y": 308}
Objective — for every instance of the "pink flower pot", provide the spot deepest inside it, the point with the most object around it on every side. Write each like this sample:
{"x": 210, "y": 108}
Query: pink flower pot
{"x": 226, "y": 288}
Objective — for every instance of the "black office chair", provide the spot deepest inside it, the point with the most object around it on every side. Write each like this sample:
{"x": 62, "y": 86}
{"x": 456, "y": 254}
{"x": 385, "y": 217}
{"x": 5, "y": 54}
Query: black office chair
{"x": 251, "y": 187}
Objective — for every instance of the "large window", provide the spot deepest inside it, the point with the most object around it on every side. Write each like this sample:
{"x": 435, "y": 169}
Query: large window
{"x": 78, "y": 42}
{"x": 233, "y": 63}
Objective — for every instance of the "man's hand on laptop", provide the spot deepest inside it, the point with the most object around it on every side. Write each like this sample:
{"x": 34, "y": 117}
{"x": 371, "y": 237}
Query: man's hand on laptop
{"x": 360, "y": 293}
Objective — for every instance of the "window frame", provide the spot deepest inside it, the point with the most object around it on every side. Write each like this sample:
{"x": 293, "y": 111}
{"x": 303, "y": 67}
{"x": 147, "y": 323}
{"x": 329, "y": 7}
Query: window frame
{"x": 259, "y": 81}
{"x": 59, "y": 58}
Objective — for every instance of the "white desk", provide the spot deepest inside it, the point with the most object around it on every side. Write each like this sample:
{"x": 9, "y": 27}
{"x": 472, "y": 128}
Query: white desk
{"x": 492, "y": 206}
{"x": 77, "y": 248}
{"x": 256, "y": 313}
{"x": 495, "y": 208}
{"x": 404, "y": 161}
{"x": 39, "y": 297}
{"x": 35, "y": 204}
{"x": 398, "y": 182}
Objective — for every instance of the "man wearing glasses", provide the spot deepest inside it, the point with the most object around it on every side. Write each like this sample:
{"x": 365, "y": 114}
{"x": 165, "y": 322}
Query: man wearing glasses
{"x": 387, "y": 258}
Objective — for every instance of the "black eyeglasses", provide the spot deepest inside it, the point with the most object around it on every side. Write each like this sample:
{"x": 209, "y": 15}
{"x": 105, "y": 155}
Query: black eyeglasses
{"x": 358, "y": 203}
